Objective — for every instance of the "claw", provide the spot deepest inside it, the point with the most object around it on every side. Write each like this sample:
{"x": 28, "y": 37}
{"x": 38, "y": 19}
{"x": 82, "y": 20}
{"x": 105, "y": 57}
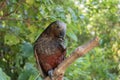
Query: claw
{"x": 50, "y": 73}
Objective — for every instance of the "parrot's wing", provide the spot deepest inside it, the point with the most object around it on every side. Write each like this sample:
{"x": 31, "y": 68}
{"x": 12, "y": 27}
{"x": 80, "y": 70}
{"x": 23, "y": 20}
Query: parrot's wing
{"x": 38, "y": 64}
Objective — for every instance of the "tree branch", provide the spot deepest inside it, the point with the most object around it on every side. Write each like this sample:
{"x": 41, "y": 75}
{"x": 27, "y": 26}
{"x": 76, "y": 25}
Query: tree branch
{"x": 78, "y": 52}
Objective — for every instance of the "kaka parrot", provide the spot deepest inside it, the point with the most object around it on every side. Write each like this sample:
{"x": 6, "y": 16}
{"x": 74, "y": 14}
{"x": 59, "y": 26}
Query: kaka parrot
{"x": 50, "y": 49}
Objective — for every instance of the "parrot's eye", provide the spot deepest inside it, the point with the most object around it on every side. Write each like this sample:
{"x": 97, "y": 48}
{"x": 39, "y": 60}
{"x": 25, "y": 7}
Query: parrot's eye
{"x": 58, "y": 27}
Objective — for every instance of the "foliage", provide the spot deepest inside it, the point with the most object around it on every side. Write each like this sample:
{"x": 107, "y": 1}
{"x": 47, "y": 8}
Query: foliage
{"x": 21, "y": 22}
{"x": 3, "y": 76}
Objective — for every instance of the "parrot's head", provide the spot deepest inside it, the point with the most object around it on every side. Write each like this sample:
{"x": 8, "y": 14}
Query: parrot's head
{"x": 57, "y": 29}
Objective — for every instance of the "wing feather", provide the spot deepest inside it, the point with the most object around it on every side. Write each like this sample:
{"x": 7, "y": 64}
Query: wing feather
{"x": 38, "y": 64}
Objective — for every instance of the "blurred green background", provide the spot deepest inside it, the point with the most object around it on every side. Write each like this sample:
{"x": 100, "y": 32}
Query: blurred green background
{"x": 21, "y": 22}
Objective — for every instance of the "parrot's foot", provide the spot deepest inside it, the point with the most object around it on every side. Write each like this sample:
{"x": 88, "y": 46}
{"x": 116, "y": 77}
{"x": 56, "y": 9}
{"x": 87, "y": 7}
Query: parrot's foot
{"x": 50, "y": 73}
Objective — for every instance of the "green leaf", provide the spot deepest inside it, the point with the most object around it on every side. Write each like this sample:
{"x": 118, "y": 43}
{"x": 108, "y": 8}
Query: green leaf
{"x": 72, "y": 12}
{"x": 29, "y": 70}
{"x": 30, "y": 2}
{"x": 26, "y": 49}
{"x": 72, "y": 35}
{"x": 3, "y": 76}
{"x": 11, "y": 39}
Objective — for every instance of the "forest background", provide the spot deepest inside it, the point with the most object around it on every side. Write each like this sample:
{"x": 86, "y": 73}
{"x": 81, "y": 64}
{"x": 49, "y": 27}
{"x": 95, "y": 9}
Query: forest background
{"x": 21, "y": 22}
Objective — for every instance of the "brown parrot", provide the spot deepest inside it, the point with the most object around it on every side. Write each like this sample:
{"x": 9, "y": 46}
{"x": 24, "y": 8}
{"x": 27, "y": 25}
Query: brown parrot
{"x": 50, "y": 49}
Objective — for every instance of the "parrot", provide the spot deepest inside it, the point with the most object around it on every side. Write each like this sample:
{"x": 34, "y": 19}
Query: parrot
{"x": 50, "y": 49}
